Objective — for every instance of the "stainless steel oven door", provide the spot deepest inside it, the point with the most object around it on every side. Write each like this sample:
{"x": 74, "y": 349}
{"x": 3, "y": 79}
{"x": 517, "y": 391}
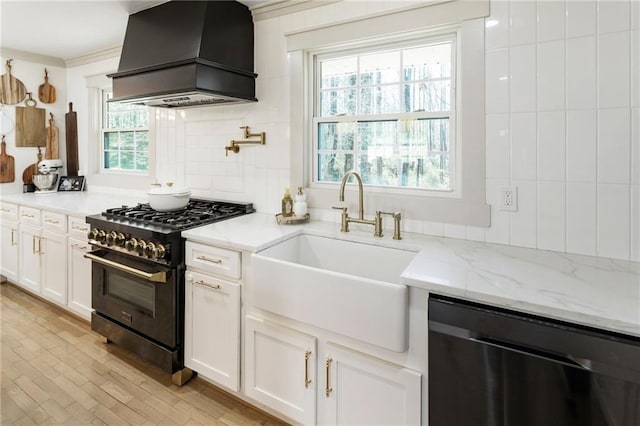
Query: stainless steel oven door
{"x": 139, "y": 295}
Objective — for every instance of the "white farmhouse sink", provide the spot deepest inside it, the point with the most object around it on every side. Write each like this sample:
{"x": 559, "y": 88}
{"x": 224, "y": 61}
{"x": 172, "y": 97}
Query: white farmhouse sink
{"x": 349, "y": 288}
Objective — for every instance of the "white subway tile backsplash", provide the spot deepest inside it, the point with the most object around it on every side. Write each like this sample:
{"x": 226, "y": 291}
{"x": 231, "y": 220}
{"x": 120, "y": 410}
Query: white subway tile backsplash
{"x": 433, "y": 228}
{"x": 551, "y": 20}
{"x": 497, "y": 26}
{"x": 524, "y": 222}
{"x": 581, "y": 218}
{"x": 498, "y": 231}
{"x": 452, "y": 230}
{"x": 613, "y": 70}
{"x": 581, "y": 145}
{"x": 613, "y": 15}
{"x": 635, "y": 146}
{"x": 635, "y": 223}
{"x": 551, "y": 215}
{"x": 614, "y": 150}
{"x": 522, "y": 85}
{"x": 522, "y": 17}
{"x": 497, "y": 81}
{"x": 551, "y": 72}
{"x": 613, "y": 221}
{"x": 523, "y": 146}
{"x": 581, "y": 72}
{"x": 497, "y": 146}
{"x": 581, "y": 18}
{"x": 635, "y": 66}
{"x": 551, "y": 146}
{"x": 475, "y": 233}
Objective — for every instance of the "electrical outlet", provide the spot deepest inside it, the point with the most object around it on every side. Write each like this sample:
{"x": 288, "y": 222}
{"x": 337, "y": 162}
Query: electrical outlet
{"x": 509, "y": 198}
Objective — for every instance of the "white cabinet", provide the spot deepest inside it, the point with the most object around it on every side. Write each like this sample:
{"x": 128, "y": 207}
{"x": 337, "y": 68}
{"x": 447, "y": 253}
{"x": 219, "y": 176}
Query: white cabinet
{"x": 9, "y": 236}
{"x": 79, "y": 278}
{"x": 29, "y": 258}
{"x": 280, "y": 369}
{"x": 53, "y": 253}
{"x": 350, "y": 387}
{"x": 212, "y": 313}
{"x": 212, "y": 328}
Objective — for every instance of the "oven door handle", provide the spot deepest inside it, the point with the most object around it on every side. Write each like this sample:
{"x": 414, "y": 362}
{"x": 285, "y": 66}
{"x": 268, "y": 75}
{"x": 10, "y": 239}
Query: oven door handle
{"x": 157, "y": 277}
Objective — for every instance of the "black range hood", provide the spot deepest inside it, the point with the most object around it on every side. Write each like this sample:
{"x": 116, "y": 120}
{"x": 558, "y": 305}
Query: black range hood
{"x": 187, "y": 53}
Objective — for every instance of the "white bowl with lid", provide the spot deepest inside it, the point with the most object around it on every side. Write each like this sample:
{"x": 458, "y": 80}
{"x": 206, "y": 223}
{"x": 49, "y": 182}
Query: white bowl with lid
{"x": 167, "y": 197}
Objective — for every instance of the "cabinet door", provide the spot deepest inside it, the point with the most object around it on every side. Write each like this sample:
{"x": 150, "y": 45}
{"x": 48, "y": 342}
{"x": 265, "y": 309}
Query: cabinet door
{"x": 212, "y": 329}
{"x": 53, "y": 250}
{"x": 79, "y": 291}
{"x": 9, "y": 249}
{"x": 29, "y": 246}
{"x": 280, "y": 369}
{"x": 359, "y": 389}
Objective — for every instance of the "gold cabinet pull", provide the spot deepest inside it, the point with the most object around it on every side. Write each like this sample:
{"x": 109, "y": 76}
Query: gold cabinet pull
{"x": 206, "y": 284}
{"x": 208, "y": 259}
{"x": 40, "y": 245}
{"x": 13, "y": 239}
{"x": 79, "y": 228}
{"x": 328, "y": 389}
{"x": 28, "y": 215}
{"x": 307, "y": 380}
{"x": 33, "y": 244}
{"x": 81, "y": 247}
{"x": 54, "y": 221}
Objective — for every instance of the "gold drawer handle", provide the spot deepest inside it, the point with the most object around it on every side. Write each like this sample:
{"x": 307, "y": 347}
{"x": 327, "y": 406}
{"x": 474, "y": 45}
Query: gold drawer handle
{"x": 206, "y": 284}
{"x": 79, "y": 228}
{"x": 328, "y": 389}
{"x": 307, "y": 380}
{"x": 31, "y": 216}
{"x": 52, "y": 221}
{"x": 208, "y": 259}
{"x": 5, "y": 210}
{"x": 81, "y": 247}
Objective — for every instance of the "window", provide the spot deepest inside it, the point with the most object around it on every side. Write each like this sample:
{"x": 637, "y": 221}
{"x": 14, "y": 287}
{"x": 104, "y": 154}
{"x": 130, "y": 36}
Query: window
{"x": 125, "y": 136}
{"x": 388, "y": 113}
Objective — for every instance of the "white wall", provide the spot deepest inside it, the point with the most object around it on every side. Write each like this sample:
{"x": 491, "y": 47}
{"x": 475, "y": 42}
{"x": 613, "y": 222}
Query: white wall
{"x": 31, "y": 74}
{"x": 563, "y": 125}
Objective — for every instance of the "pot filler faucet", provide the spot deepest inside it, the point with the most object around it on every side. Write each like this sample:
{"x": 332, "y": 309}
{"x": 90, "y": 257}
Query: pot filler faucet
{"x": 376, "y": 222}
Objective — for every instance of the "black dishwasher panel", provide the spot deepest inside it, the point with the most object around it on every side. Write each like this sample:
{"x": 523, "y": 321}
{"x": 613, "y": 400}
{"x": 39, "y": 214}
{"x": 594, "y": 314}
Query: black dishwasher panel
{"x": 496, "y": 367}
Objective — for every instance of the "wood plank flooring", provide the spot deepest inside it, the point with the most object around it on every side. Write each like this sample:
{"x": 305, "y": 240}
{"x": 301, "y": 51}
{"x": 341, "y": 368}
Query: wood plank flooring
{"x": 55, "y": 370}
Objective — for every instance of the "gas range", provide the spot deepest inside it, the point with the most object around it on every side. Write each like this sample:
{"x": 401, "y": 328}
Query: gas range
{"x": 155, "y": 235}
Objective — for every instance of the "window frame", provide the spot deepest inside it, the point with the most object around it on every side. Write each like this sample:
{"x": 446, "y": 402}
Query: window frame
{"x": 103, "y": 130}
{"x": 446, "y": 35}
{"x": 471, "y": 207}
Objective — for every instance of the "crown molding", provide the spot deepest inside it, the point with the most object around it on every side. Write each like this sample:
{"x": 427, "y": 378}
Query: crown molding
{"x": 275, "y": 8}
{"x": 52, "y": 61}
{"x": 99, "y": 55}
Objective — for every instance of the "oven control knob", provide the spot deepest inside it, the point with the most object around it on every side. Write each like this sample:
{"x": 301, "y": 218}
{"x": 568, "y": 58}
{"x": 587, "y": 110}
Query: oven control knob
{"x": 111, "y": 237}
{"x": 93, "y": 234}
{"x": 140, "y": 247}
{"x": 150, "y": 250}
{"x": 160, "y": 252}
{"x": 131, "y": 245}
{"x": 100, "y": 235}
{"x": 119, "y": 239}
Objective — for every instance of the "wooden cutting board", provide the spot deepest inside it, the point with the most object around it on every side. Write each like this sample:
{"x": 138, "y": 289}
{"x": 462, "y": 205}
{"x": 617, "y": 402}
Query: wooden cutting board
{"x": 30, "y": 125}
{"x": 12, "y": 90}
{"x": 71, "y": 130}
{"x": 51, "y": 151}
{"x": 7, "y": 165}
{"x": 46, "y": 92}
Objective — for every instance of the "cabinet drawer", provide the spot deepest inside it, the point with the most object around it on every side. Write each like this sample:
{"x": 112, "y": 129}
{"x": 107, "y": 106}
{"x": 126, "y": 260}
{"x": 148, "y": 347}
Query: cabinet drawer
{"x": 9, "y": 211}
{"x": 78, "y": 228}
{"x": 54, "y": 221}
{"x": 29, "y": 215}
{"x": 216, "y": 260}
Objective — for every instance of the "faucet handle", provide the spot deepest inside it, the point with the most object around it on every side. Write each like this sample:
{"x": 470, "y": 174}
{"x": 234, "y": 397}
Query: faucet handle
{"x": 396, "y": 224}
{"x": 344, "y": 219}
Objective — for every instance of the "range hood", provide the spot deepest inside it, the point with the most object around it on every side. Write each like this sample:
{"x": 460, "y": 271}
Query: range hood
{"x": 187, "y": 53}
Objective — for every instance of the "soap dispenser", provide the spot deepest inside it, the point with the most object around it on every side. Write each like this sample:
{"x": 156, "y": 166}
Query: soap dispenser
{"x": 287, "y": 204}
{"x": 300, "y": 207}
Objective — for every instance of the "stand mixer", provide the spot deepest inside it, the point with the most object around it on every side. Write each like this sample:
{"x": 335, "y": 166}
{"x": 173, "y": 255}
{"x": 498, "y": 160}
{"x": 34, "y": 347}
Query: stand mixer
{"x": 47, "y": 179}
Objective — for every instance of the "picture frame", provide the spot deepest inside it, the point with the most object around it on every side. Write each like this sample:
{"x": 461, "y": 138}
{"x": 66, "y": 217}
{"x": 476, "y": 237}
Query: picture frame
{"x": 71, "y": 183}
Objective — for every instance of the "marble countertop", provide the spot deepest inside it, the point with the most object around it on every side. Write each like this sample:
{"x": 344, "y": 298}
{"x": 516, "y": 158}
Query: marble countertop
{"x": 597, "y": 292}
{"x": 73, "y": 203}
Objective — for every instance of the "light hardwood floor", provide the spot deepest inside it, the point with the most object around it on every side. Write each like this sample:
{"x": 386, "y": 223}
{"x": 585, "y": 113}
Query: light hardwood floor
{"x": 55, "y": 370}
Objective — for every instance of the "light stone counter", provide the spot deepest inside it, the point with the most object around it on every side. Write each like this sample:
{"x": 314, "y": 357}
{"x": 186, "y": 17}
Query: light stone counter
{"x": 592, "y": 291}
{"x": 73, "y": 203}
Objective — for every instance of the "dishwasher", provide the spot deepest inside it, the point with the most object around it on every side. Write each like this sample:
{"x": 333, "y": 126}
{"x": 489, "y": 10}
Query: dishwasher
{"x": 490, "y": 366}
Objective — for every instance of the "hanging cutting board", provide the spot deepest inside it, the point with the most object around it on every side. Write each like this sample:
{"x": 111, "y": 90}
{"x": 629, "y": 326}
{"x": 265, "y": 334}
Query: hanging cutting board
{"x": 71, "y": 130}
{"x": 32, "y": 169}
{"x": 7, "y": 165}
{"x": 51, "y": 151}
{"x": 30, "y": 125}
{"x": 12, "y": 90}
{"x": 46, "y": 92}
